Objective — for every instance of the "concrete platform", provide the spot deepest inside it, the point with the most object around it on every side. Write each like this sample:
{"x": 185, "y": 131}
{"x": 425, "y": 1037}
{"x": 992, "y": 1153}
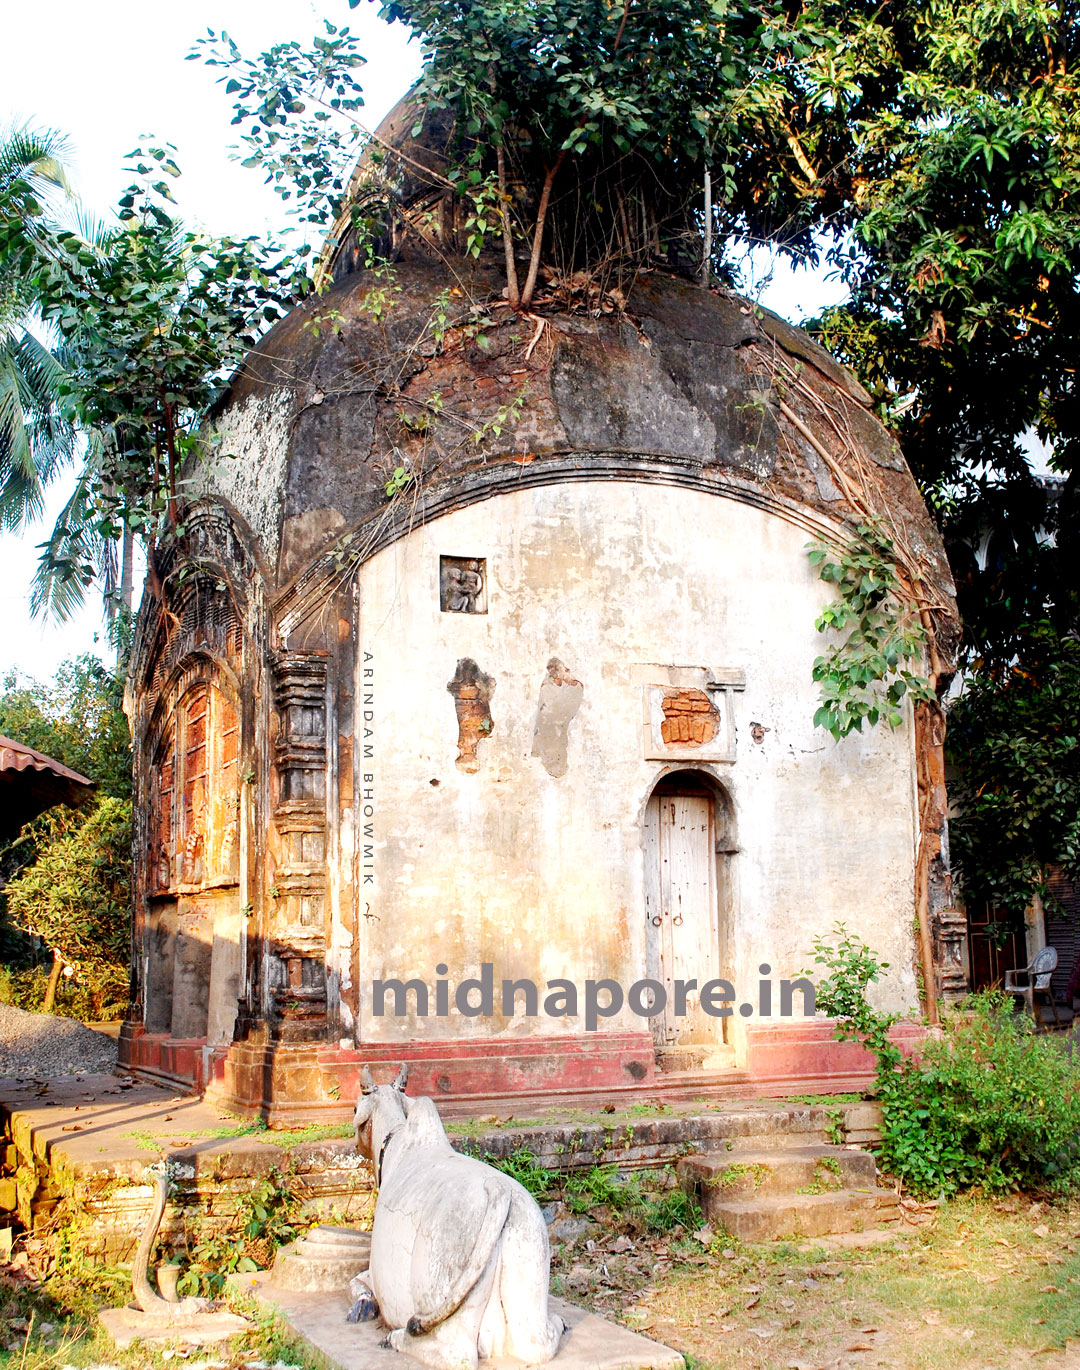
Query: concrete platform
{"x": 127, "y": 1325}
{"x": 590, "y": 1343}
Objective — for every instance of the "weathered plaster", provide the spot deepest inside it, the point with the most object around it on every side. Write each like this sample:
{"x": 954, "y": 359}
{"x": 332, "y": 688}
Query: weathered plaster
{"x": 249, "y": 448}
{"x": 543, "y": 874}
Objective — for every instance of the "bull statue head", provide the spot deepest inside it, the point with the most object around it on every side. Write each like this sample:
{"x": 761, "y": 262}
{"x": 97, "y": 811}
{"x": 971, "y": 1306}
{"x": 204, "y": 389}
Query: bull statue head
{"x": 379, "y": 1110}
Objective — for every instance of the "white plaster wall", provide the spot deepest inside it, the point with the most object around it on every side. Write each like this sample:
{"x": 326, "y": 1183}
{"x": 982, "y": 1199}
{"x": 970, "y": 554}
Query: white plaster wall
{"x": 544, "y": 876}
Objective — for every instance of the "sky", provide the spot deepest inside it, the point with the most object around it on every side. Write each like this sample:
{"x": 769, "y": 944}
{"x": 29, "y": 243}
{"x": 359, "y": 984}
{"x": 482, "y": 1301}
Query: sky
{"x": 108, "y": 74}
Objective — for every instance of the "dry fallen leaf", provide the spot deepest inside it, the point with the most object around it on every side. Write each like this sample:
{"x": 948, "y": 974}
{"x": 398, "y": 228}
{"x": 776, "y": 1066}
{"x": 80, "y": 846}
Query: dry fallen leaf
{"x": 1041, "y": 1231}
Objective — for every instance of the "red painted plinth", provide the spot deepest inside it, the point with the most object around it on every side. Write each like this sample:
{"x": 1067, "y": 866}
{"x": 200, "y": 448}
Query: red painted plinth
{"x": 180, "y": 1061}
{"x": 796, "y": 1051}
{"x": 480, "y": 1069}
{"x": 308, "y": 1082}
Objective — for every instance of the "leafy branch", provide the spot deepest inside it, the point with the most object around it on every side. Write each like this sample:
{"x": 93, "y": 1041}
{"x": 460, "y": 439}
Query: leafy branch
{"x": 864, "y": 677}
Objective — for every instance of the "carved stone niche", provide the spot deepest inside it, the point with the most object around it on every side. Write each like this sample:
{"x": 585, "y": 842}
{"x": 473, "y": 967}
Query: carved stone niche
{"x": 951, "y": 957}
{"x": 463, "y": 585}
{"x": 298, "y": 981}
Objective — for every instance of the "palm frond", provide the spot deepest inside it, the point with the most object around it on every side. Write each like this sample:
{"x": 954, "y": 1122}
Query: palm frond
{"x": 70, "y": 558}
{"x": 36, "y": 438}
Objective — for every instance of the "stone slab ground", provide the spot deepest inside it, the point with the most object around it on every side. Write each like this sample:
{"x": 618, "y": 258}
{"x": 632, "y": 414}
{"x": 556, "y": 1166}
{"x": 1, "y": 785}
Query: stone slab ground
{"x": 591, "y": 1343}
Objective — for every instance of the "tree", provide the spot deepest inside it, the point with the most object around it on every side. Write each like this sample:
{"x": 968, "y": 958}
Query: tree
{"x": 35, "y": 439}
{"x": 69, "y": 872}
{"x": 77, "y": 718}
{"x": 152, "y": 318}
{"x": 76, "y": 898}
{"x": 1015, "y": 742}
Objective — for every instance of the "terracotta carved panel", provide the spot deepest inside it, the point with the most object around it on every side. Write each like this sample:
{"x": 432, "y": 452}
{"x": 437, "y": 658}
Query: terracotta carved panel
{"x": 463, "y": 585}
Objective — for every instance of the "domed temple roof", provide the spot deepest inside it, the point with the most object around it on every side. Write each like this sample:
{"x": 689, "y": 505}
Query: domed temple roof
{"x": 417, "y": 379}
{"x": 425, "y": 372}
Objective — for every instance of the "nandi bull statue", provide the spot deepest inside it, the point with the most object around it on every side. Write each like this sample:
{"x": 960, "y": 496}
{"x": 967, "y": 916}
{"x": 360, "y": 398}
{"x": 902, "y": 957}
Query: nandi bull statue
{"x": 459, "y": 1251}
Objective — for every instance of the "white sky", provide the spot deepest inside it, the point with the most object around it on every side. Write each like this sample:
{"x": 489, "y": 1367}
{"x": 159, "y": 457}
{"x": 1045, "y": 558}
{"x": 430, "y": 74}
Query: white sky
{"x": 105, "y": 75}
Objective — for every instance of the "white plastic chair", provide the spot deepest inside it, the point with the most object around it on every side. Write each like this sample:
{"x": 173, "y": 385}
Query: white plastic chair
{"x": 1035, "y": 979}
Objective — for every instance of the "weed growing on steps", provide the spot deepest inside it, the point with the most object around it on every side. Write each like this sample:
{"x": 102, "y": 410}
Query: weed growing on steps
{"x": 268, "y": 1216}
{"x": 734, "y": 1175}
{"x": 627, "y": 1197}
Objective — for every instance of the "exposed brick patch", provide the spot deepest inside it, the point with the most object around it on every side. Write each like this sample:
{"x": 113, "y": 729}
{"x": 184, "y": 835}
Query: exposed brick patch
{"x": 690, "y": 719}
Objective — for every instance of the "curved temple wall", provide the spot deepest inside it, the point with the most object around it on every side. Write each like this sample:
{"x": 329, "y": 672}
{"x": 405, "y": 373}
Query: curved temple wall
{"x": 636, "y": 590}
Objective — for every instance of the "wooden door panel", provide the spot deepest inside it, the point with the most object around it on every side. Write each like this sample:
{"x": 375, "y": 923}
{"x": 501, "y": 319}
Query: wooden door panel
{"x": 685, "y": 940}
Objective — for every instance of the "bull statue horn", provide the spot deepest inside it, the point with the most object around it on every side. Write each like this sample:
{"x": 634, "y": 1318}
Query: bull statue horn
{"x": 367, "y": 1080}
{"x": 401, "y": 1077}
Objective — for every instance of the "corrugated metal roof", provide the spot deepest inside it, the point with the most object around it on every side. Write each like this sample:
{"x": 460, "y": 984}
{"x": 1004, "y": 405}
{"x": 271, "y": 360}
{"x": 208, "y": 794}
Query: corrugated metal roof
{"x": 15, "y": 756}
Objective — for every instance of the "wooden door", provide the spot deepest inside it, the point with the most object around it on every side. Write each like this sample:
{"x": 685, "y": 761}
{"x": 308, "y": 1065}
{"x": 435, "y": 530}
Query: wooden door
{"x": 682, "y": 933}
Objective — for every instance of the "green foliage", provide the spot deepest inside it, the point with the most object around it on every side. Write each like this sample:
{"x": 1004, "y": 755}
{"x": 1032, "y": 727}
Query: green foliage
{"x": 1014, "y": 741}
{"x": 77, "y": 719}
{"x": 35, "y": 442}
{"x": 852, "y": 968}
{"x": 523, "y": 1166}
{"x": 76, "y": 896}
{"x": 627, "y": 1196}
{"x": 990, "y": 1103}
{"x": 69, "y": 872}
{"x": 655, "y": 1210}
{"x": 959, "y": 135}
{"x": 152, "y": 319}
{"x": 864, "y": 677}
{"x": 268, "y": 1216}
{"x": 296, "y": 104}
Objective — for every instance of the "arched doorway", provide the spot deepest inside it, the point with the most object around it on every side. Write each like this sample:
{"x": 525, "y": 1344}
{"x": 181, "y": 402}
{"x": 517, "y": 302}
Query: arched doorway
{"x": 689, "y": 839}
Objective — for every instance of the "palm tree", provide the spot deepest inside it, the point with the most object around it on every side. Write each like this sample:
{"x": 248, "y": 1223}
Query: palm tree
{"x": 36, "y": 438}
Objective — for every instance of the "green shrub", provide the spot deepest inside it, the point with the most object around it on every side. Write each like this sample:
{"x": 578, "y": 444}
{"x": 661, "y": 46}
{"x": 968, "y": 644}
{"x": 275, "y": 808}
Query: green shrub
{"x": 76, "y": 897}
{"x": 990, "y": 1103}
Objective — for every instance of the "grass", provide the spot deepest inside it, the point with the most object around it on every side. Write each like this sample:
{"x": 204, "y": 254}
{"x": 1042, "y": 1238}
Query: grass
{"x": 55, "y": 1325}
{"x": 825, "y": 1100}
{"x": 286, "y": 1138}
{"x": 978, "y": 1287}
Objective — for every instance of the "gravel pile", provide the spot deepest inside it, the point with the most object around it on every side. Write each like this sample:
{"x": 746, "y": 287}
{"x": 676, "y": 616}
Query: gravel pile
{"x": 39, "y": 1045}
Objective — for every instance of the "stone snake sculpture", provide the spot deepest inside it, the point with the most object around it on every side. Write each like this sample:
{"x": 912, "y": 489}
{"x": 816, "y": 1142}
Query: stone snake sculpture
{"x": 160, "y": 1310}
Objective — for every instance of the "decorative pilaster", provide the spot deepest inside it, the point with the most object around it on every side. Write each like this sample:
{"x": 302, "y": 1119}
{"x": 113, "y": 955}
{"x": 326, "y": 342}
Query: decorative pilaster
{"x": 298, "y": 894}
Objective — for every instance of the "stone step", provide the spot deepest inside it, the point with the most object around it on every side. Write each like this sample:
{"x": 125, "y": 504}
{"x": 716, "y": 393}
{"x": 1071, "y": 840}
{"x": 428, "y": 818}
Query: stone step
{"x": 742, "y": 1173}
{"x": 770, "y": 1217}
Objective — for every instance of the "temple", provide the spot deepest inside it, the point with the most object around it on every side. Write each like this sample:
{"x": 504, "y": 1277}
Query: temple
{"x": 489, "y": 642}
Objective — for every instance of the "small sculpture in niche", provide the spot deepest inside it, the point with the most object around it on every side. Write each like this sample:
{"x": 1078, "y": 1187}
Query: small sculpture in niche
{"x": 560, "y": 699}
{"x": 472, "y": 691}
{"x": 463, "y": 585}
{"x": 459, "y": 1251}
